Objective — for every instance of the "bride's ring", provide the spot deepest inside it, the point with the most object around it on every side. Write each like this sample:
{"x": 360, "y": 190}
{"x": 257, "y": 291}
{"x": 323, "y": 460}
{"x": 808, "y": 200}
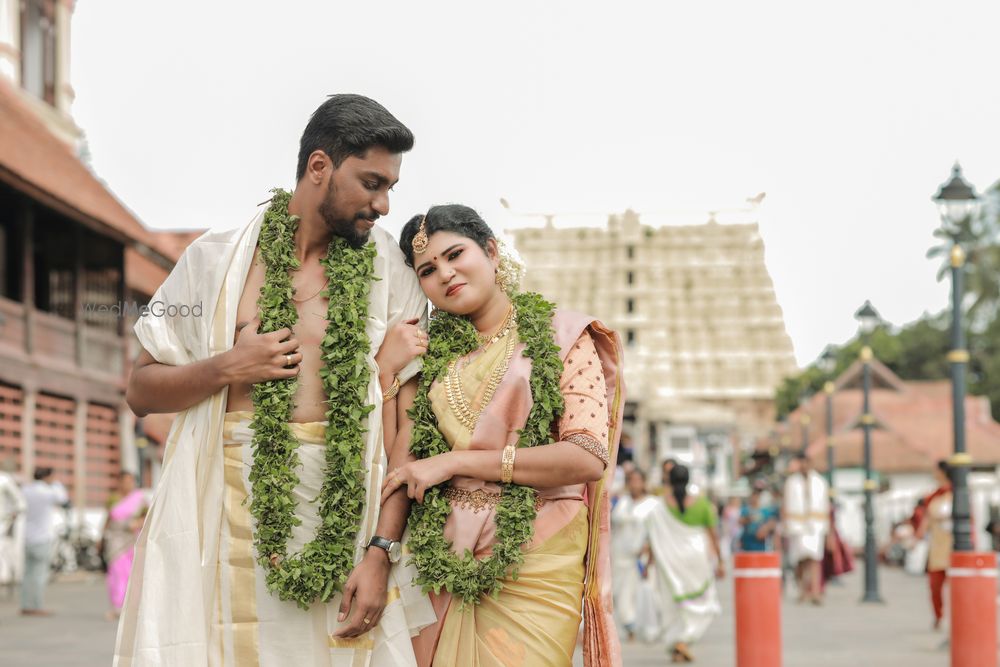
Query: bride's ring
{"x": 288, "y": 360}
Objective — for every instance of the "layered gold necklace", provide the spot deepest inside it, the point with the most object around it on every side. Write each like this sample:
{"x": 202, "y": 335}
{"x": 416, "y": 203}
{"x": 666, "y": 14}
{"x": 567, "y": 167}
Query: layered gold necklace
{"x": 454, "y": 388}
{"x": 439, "y": 568}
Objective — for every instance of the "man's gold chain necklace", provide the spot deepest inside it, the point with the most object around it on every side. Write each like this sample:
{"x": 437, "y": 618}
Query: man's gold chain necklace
{"x": 323, "y": 287}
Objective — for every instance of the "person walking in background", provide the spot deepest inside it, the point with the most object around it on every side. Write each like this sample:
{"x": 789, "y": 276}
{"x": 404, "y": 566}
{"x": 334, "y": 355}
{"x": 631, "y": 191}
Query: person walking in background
{"x": 683, "y": 543}
{"x": 759, "y": 521}
{"x": 125, "y": 514}
{"x": 620, "y": 480}
{"x": 730, "y": 526}
{"x": 629, "y": 541}
{"x": 42, "y": 496}
{"x": 806, "y": 519}
{"x": 837, "y": 557}
{"x": 935, "y": 523}
{"x": 12, "y": 507}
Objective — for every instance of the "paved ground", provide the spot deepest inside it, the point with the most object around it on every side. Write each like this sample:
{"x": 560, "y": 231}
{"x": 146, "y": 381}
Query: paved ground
{"x": 843, "y": 632}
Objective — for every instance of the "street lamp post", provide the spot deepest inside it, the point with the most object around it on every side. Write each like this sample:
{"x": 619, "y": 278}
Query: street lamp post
{"x": 957, "y": 201}
{"x": 827, "y": 364}
{"x": 869, "y": 319}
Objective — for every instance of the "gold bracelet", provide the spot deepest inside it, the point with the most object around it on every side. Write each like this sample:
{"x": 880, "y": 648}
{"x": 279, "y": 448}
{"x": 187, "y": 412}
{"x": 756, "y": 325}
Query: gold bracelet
{"x": 392, "y": 391}
{"x": 507, "y": 464}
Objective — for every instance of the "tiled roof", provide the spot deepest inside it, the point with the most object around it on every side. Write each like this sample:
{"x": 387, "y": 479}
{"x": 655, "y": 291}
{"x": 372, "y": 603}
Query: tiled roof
{"x": 172, "y": 243}
{"x": 35, "y": 161}
{"x": 913, "y": 426}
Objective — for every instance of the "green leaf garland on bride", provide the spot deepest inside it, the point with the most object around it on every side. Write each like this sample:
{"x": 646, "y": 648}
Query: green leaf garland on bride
{"x": 323, "y": 564}
{"x": 438, "y": 567}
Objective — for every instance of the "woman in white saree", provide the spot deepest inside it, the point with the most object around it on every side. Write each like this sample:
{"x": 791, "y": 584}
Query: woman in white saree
{"x": 681, "y": 536}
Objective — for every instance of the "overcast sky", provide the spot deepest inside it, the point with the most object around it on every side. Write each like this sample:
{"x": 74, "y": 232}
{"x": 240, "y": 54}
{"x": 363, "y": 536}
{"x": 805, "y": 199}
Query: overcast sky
{"x": 848, "y": 114}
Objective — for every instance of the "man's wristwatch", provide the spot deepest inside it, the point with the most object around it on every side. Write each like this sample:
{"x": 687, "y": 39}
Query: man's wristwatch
{"x": 391, "y": 547}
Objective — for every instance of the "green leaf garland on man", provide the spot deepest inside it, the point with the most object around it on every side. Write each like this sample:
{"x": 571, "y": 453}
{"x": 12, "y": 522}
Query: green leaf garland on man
{"x": 266, "y": 544}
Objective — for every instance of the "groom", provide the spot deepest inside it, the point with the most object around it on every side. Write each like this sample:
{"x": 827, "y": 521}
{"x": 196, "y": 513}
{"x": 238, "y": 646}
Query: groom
{"x": 198, "y": 594}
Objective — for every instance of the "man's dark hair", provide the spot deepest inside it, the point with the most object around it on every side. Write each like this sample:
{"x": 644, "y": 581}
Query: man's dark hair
{"x": 637, "y": 471}
{"x": 347, "y": 125}
{"x": 454, "y": 218}
{"x": 43, "y": 473}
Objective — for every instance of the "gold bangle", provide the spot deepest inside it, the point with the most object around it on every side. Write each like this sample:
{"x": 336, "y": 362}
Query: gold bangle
{"x": 507, "y": 464}
{"x": 392, "y": 391}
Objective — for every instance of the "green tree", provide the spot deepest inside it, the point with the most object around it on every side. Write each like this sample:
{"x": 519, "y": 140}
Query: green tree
{"x": 985, "y": 365}
{"x": 886, "y": 346}
{"x": 923, "y": 346}
{"x": 918, "y": 351}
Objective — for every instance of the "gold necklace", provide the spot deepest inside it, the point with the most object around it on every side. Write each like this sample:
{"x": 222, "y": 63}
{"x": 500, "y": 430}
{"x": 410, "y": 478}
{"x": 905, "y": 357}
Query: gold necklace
{"x": 455, "y": 390}
{"x": 314, "y": 295}
{"x": 485, "y": 340}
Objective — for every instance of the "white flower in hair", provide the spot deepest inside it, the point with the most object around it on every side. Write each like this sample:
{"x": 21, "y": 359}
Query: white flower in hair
{"x": 511, "y": 269}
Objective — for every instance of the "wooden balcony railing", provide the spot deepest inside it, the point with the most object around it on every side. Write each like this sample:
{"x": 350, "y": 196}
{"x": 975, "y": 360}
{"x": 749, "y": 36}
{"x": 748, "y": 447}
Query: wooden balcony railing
{"x": 54, "y": 341}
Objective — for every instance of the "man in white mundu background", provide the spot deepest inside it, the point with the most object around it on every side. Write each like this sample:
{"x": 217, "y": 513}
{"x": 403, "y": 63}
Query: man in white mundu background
{"x": 806, "y": 520}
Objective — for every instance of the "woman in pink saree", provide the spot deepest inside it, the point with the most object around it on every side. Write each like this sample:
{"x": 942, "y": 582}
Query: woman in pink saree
{"x": 125, "y": 516}
{"x": 480, "y": 405}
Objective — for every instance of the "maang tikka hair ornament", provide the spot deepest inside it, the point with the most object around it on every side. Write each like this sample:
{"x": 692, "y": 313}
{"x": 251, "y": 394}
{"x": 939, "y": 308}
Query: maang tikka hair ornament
{"x": 420, "y": 239}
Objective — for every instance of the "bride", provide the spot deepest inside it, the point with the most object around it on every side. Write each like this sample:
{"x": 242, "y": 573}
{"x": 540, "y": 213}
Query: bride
{"x": 512, "y": 438}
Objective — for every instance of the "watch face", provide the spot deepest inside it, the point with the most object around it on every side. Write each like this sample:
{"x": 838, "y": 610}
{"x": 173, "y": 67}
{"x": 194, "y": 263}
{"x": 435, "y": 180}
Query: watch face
{"x": 395, "y": 552}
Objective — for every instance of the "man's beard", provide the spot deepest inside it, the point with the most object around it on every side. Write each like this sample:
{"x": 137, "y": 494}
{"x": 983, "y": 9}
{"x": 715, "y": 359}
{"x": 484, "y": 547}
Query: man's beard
{"x": 346, "y": 229}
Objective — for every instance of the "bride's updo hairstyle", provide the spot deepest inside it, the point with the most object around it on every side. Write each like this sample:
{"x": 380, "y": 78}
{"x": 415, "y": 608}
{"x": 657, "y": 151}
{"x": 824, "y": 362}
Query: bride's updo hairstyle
{"x": 454, "y": 218}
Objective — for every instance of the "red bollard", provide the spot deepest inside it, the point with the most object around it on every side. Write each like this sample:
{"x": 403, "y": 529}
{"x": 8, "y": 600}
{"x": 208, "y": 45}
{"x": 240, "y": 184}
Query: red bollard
{"x": 973, "y": 581}
{"x": 757, "y": 582}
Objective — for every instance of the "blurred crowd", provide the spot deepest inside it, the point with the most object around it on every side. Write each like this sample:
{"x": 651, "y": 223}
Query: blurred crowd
{"x": 42, "y": 535}
{"x": 671, "y": 544}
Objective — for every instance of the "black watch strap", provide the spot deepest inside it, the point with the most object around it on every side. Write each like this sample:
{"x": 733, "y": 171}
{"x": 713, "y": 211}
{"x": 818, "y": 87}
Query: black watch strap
{"x": 392, "y": 548}
{"x": 380, "y": 542}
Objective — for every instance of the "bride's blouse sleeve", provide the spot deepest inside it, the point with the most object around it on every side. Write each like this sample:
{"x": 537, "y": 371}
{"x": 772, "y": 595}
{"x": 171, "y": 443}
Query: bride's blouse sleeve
{"x": 585, "y": 419}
